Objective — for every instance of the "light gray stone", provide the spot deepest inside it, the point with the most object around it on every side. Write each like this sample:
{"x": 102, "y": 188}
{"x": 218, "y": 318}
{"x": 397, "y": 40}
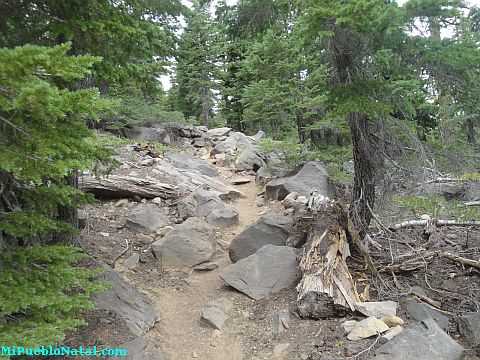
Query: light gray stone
{"x": 223, "y": 217}
{"x": 270, "y": 269}
{"x": 131, "y": 261}
{"x": 188, "y": 244}
{"x": 125, "y": 301}
{"x": 366, "y": 328}
{"x": 218, "y": 132}
{"x": 249, "y": 159}
{"x": 214, "y": 317}
{"x": 426, "y": 341}
{"x": 146, "y": 219}
{"x": 189, "y": 162}
{"x": 312, "y": 176}
{"x": 222, "y": 303}
{"x": 391, "y": 333}
{"x": 377, "y": 308}
{"x": 269, "y": 229}
{"x": 82, "y": 217}
{"x": 279, "y": 319}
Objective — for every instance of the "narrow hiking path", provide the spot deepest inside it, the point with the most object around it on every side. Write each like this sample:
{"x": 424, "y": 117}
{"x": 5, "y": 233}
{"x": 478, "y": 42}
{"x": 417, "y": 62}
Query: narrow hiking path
{"x": 180, "y": 334}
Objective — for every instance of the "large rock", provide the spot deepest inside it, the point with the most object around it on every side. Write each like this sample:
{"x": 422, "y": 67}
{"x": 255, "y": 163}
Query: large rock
{"x": 125, "y": 301}
{"x": 218, "y": 132}
{"x": 223, "y": 217}
{"x": 312, "y": 176}
{"x": 188, "y": 162}
{"x": 469, "y": 326}
{"x": 426, "y": 341}
{"x": 269, "y": 229}
{"x": 237, "y": 141}
{"x": 249, "y": 159}
{"x": 270, "y": 269}
{"x": 377, "y": 308}
{"x": 188, "y": 244}
{"x": 146, "y": 219}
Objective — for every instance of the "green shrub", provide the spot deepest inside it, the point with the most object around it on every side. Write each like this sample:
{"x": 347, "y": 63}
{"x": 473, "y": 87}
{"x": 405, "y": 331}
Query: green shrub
{"x": 43, "y": 294}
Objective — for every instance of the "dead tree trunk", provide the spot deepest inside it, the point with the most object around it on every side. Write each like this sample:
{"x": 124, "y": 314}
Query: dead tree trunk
{"x": 327, "y": 288}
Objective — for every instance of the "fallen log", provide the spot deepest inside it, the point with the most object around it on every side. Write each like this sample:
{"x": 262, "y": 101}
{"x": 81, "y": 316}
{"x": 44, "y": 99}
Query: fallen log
{"x": 118, "y": 186}
{"x": 461, "y": 260}
{"x": 327, "y": 287}
{"x": 414, "y": 223}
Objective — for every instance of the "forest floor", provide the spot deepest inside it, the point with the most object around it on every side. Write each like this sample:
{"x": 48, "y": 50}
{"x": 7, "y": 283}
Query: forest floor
{"x": 180, "y": 295}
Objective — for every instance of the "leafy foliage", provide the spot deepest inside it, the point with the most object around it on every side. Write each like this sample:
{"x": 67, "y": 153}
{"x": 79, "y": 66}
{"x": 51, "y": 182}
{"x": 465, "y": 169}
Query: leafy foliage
{"x": 42, "y": 294}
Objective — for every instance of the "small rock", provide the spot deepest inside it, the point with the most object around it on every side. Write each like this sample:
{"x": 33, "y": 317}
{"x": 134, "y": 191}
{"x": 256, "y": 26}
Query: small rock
{"x": 280, "y": 320}
{"x": 390, "y": 334}
{"x": 103, "y": 249}
{"x": 290, "y": 200}
{"x": 145, "y": 239}
{"x": 349, "y": 325}
{"x": 304, "y": 357}
{"x": 82, "y": 218}
{"x": 194, "y": 355}
{"x": 207, "y": 266}
{"x": 425, "y": 217}
{"x": 104, "y": 321}
{"x": 131, "y": 261}
{"x": 213, "y": 343}
{"x": 260, "y": 202}
{"x": 392, "y": 320}
{"x": 104, "y": 234}
{"x": 222, "y": 304}
{"x": 239, "y": 180}
{"x": 377, "y": 308}
{"x": 157, "y": 201}
{"x": 147, "y": 162}
{"x": 137, "y": 198}
{"x": 279, "y": 349}
{"x": 216, "y": 334}
{"x": 367, "y": 327}
{"x": 121, "y": 202}
{"x": 213, "y": 317}
{"x": 163, "y": 231}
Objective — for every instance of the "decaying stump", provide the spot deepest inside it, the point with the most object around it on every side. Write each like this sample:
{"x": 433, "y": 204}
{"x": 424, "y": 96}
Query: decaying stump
{"x": 327, "y": 288}
{"x": 115, "y": 186}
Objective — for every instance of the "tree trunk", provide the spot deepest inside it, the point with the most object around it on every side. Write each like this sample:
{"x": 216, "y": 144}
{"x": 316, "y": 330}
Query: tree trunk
{"x": 363, "y": 195}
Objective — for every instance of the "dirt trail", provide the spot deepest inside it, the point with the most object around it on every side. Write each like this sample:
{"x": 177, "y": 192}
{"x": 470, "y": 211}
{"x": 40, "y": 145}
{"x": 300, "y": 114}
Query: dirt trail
{"x": 180, "y": 334}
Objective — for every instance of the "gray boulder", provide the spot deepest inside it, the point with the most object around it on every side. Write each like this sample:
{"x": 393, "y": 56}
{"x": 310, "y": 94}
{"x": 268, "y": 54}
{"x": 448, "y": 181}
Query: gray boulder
{"x": 146, "y": 219}
{"x": 270, "y": 269}
{"x": 198, "y": 142}
{"x": 237, "y": 141}
{"x": 143, "y": 133}
{"x": 469, "y": 326}
{"x": 188, "y": 162}
{"x": 223, "y": 217}
{"x": 141, "y": 349}
{"x": 188, "y": 244}
{"x": 426, "y": 341}
{"x": 312, "y": 176}
{"x": 420, "y": 312}
{"x": 269, "y": 229}
{"x": 218, "y": 132}
{"x": 250, "y": 159}
{"x": 127, "y": 302}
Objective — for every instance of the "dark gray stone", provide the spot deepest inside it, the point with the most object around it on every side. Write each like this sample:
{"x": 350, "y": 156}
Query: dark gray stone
{"x": 188, "y": 244}
{"x": 270, "y": 269}
{"x": 206, "y": 266}
{"x": 198, "y": 142}
{"x": 223, "y": 217}
{"x": 469, "y": 326}
{"x": 269, "y": 229}
{"x": 127, "y": 302}
{"x": 146, "y": 219}
{"x": 420, "y": 312}
{"x": 143, "y": 134}
{"x": 312, "y": 176}
{"x": 425, "y": 341}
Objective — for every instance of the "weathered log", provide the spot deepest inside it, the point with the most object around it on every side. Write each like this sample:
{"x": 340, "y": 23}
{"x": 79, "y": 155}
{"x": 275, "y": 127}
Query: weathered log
{"x": 414, "y": 223}
{"x": 327, "y": 288}
{"x": 117, "y": 186}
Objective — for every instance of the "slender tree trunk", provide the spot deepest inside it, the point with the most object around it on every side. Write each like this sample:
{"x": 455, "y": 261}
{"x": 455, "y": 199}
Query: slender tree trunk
{"x": 363, "y": 195}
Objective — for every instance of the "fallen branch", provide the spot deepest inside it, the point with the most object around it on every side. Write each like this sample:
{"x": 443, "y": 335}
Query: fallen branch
{"x": 472, "y": 203}
{"x": 461, "y": 260}
{"x": 415, "y": 223}
{"x": 117, "y": 186}
{"x": 428, "y": 300}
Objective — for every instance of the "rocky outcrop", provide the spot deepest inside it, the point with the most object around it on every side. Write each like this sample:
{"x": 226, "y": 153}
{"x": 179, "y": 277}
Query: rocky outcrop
{"x": 270, "y": 269}
{"x": 270, "y": 229}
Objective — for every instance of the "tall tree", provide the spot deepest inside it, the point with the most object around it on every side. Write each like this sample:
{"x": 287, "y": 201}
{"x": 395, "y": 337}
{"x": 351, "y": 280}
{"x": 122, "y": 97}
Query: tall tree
{"x": 195, "y": 75}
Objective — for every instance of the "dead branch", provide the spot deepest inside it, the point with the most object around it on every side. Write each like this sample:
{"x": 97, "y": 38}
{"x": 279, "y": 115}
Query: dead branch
{"x": 415, "y": 223}
{"x": 461, "y": 260}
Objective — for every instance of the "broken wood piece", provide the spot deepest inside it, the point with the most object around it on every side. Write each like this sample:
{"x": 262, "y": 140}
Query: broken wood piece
{"x": 414, "y": 223}
{"x": 461, "y": 260}
{"x": 428, "y": 300}
{"x": 118, "y": 186}
{"x": 327, "y": 287}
